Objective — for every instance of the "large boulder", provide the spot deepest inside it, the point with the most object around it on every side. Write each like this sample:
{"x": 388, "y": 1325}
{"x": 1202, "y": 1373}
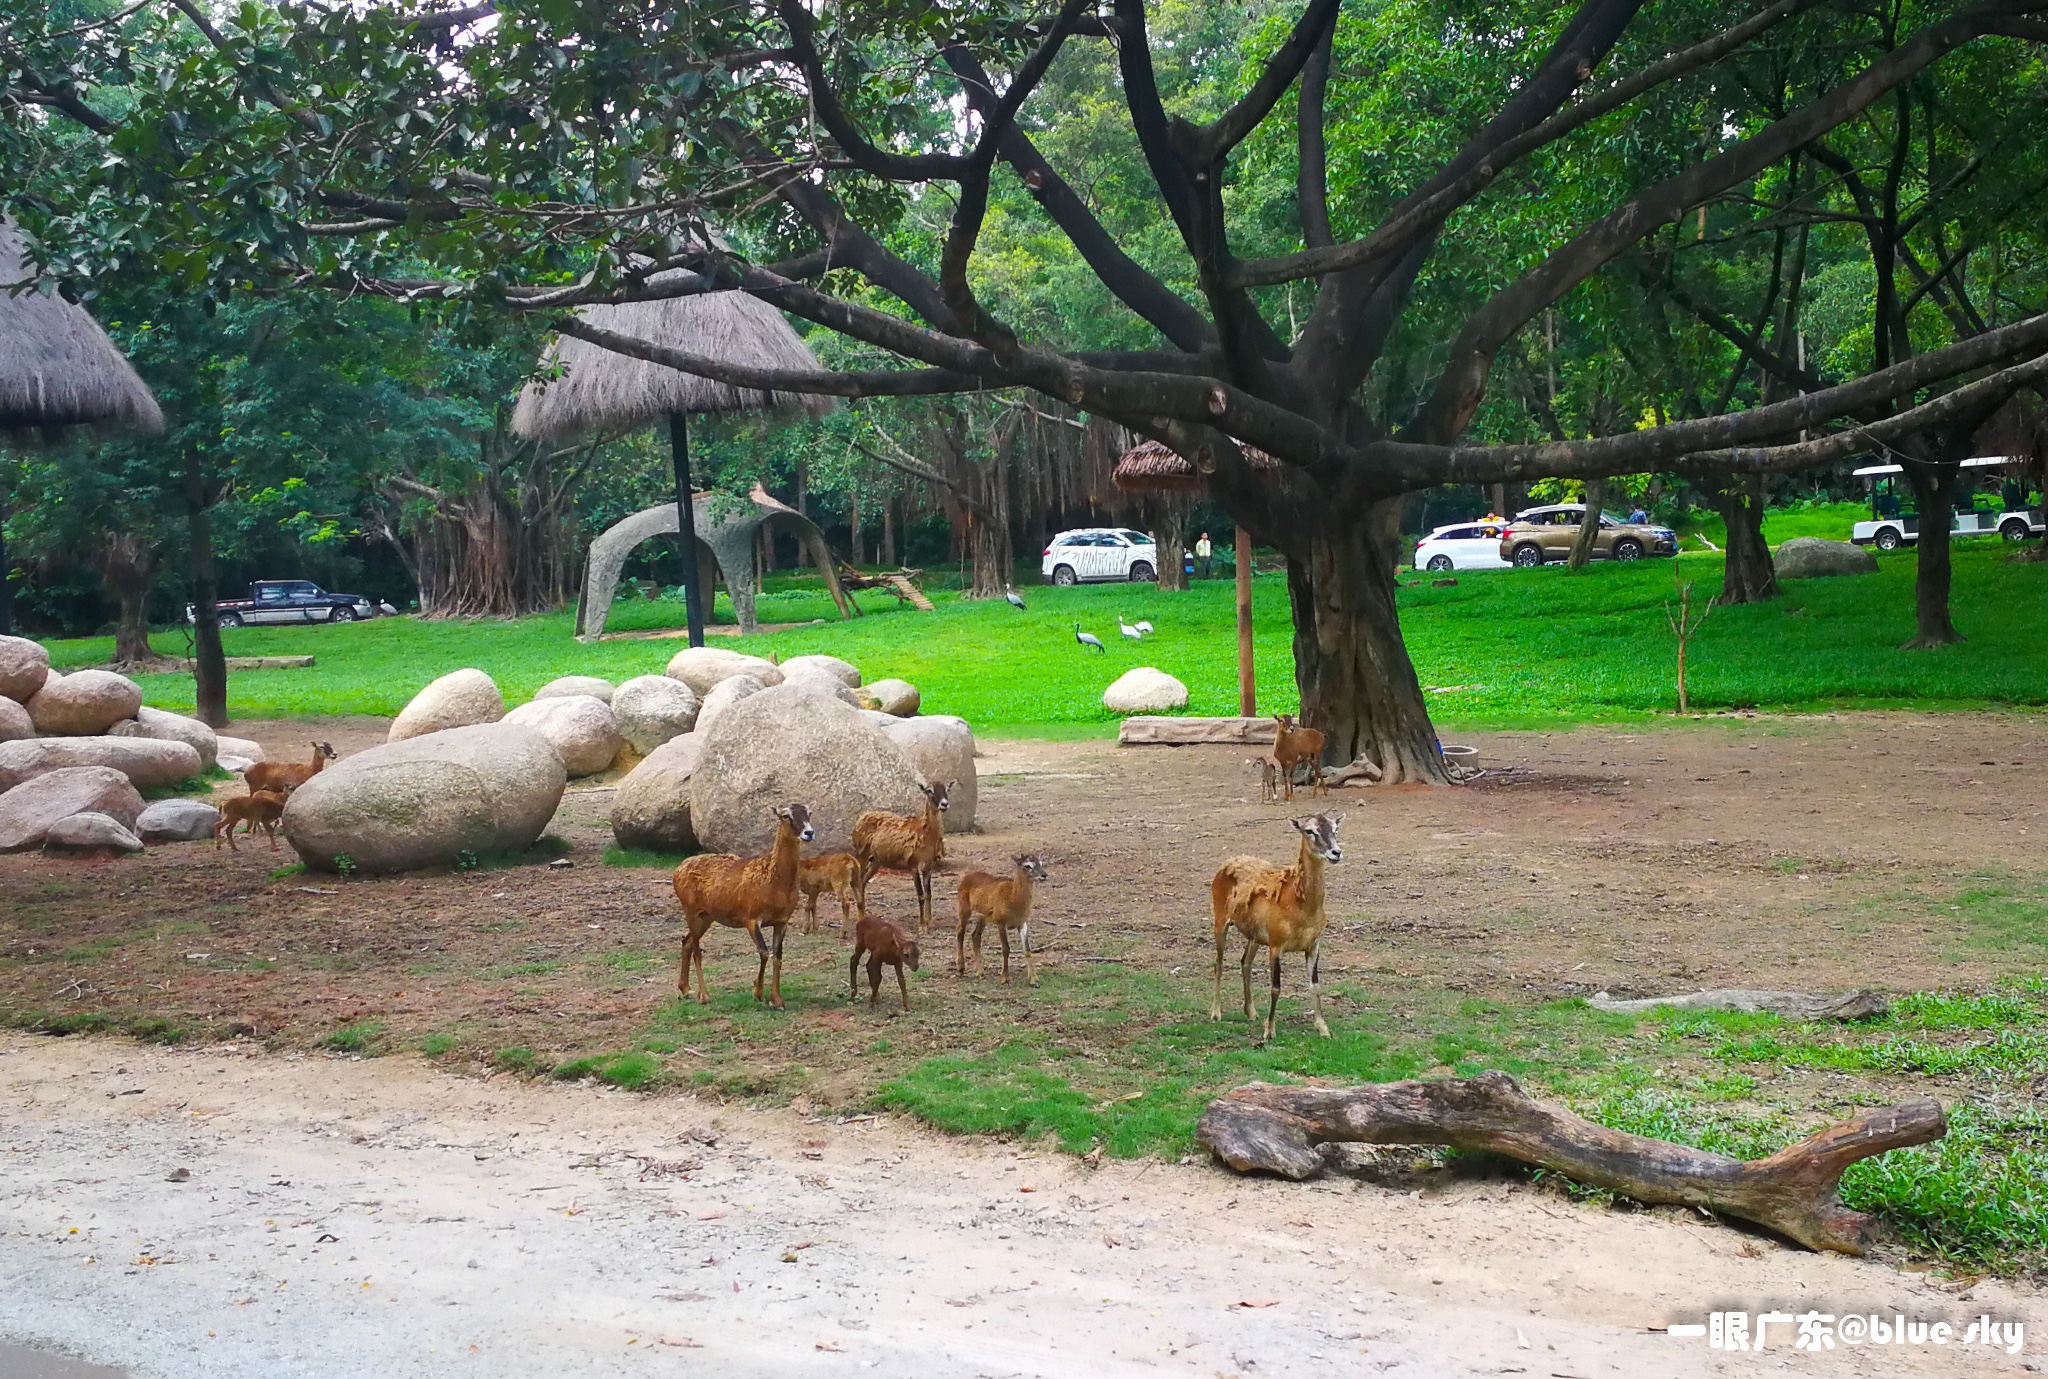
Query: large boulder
{"x": 581, "y": 728}
{"x": 651, "y": 807}
{"x": 828, "y": 686}
{"x": 896, "y": 697}
{"x": 24, "y": 666}
{"x": 29, "y": 809}
{"x": 147, "y": 762}
{"x": 784, "y": 745}
{"x": 15, "y": 723}
{"x": 701, "y": 667}
{"x": 843, "y": 671}
{"x": 941, "y": 747}
{"x": 90, "y": 835}
{"x": 723, "y": 696}
{"x": 1145, "y": 690}
{"x": 177, "y": 821}
{"x": 171, "y": 727}
{"x": 1809, "y": 557}
{"x": 422, "y": 802}
{"x": 653, "y": 709}
{"x": 568, "y": 685}
{"x": 248, "y": 749}
{"x": 459, "y": 699}
{"x": 81, "y": 705}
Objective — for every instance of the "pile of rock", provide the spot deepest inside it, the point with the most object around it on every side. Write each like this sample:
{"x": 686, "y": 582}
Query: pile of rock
{"x": 766, "y": 733}
{"x": 77, "y": 750}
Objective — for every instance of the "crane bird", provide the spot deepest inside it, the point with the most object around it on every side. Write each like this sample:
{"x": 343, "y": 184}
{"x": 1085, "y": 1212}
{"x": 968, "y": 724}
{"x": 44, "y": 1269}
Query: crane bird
{"x": 1016, "y": 600}
{"x": 1086, "y": 638}
{"x": 1143, "y": 626}
{"x": 1129, "y": 631}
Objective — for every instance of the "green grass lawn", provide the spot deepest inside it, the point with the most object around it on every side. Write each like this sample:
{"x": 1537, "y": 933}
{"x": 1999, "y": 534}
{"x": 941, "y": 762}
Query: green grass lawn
{"x": 1496, "y": 649}
{"x": 1828, "y": 521}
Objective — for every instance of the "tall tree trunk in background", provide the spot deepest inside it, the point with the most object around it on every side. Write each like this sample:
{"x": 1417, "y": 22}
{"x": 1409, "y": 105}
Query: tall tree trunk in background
{"x": 853, "y": 523}
{"x": 1748, "y": 576}
{"x": 502, "y": 548}
{"x": 1589, "y": 529}
{"x": 1934, "y": 496}
{"x": 889, "y": 533}
{"x": 1358, "y": 686}
{"x": 209, "y": 661}
{"x": 128, "y": 564}
{"x": 1173, "y": 542}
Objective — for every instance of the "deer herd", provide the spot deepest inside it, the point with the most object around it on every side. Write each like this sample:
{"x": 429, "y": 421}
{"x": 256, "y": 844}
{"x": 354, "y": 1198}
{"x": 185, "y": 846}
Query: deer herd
{"x": 1277, "y": 908}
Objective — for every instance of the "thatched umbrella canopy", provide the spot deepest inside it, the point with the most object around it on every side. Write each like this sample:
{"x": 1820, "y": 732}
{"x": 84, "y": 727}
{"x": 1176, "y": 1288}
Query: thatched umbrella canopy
{"x": 600, "y": 390}
{"x": 57, "y": 367}
{"x": 1150, "y": 467}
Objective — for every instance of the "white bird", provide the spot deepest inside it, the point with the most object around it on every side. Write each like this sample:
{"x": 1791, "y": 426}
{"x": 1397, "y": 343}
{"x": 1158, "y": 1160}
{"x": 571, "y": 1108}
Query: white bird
{"x": 1016, "y": 600}
{"x": 1145, "y": 627}
{"x": 1129, "y": 631}
{"x": 1086, "y": 638}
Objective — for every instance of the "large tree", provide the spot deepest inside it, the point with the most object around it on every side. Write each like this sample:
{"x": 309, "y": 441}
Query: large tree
{"x": 559, "y": 154}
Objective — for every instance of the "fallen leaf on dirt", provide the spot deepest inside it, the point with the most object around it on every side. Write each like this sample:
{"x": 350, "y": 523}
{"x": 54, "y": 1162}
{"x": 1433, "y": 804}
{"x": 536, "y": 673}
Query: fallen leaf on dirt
{"x": 712, "y": 1216}
{"x": 328, "y": 1240}
{"x": 789, "y": 1256}
{"x": 178, "y": 1175}
{"x": 1026, "y": 1187}
{"x": 1259, "y": 1302}
{"x": 827, "y": 1345}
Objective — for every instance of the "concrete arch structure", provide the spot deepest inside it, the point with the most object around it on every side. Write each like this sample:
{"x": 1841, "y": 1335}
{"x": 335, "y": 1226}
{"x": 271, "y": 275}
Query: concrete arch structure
{"x": 726, "y": 532}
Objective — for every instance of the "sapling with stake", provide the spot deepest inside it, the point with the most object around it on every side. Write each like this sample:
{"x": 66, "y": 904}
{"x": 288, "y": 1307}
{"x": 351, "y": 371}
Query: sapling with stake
{"x": 1684, "y": 623}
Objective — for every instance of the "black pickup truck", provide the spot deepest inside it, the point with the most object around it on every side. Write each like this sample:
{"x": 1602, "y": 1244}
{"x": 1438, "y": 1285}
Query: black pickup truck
{"x": 294, "y": 601}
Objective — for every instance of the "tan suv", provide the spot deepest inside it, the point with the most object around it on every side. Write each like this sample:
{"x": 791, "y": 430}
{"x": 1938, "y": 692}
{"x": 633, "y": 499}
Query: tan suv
{"x": 1544, "y": 534}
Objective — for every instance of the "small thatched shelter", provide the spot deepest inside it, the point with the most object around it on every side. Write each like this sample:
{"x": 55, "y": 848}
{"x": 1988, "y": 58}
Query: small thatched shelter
{"x": 599, "y": 390}
{"x": 57, "y": 367}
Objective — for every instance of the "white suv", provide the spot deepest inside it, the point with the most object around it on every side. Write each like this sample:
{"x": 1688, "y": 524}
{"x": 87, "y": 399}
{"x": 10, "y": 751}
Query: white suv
{"x": 1093, "y": 554}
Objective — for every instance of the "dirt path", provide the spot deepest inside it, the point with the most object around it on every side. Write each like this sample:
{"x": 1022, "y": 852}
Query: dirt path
{"x": 383, "y": 1218}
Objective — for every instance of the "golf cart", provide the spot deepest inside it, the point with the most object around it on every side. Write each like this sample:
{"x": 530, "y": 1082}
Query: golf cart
{"x": 1892, "y": 525}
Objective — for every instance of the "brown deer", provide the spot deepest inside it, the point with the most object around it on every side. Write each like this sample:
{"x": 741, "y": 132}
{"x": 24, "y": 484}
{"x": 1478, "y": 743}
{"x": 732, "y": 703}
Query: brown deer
{"x": 903, "y": 842}
{"x": 263, "y": 807}
{"x": 883, "y": 943}
{"x": 1269, "y": 777}
{"x": 1004, "y": 901}
{"x": 1280, "y": 908}
{"x": 287, "y": 776}
{"x": 1291, "y": 747}
{"x": 837, "y": 872}
{"x": 751, "y": 893}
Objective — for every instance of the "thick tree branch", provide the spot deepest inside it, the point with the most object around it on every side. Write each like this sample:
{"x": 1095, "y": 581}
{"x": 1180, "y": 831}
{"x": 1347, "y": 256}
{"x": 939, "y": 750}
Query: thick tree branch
{"x": 826, "y": 382}
{"x": 896, "y": 167}
{"x": 1750, "y": 344}
{"x": 66, "y": 99}
{"x": 1311, "y": 173}
{"x": 1311, "y": 31}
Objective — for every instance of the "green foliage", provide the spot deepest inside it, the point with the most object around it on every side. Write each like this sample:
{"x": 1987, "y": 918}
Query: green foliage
{"x": 362, "y": 1037}
{"x": 520, "y": 1059}
{"x": 637, "y": 1071}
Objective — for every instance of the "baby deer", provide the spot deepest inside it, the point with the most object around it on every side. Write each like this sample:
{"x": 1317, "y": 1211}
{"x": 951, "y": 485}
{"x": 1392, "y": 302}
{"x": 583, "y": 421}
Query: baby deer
{"x": 882, "y": 942}
{"x": 902, "y": 842}
{"x": 1004, "y": 901}
{"x": 1291, "y": 747}
{"x": 1280, "y": 908}
{"x": 287, "y": 776}
{"x": 263, "y": 807}
{"x": 1269, "y": 777}
{"x": 837, "y": 872}
{"x": 751, "y": 893}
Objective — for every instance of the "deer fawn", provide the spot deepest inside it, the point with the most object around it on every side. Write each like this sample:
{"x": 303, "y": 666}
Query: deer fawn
{"x": 837, "y": 872}
{"x": 287, "y": 776}
{"x": 1280, "y": 908}
{"x": 1269, "y": 777}
{"x": 1004, "y": 901}
{"x": 1291, "y": 747}
{"x": 261, "y": 807}
{"x": 751, "y": 893}
{"x": 884, "y": 944}
{"x": 902, "y": 842}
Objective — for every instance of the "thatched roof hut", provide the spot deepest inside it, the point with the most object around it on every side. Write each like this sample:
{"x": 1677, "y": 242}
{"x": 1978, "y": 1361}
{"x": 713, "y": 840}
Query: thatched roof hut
{"x": 57, "y": 367}
{"x": 1150, "y": 467}
{"x": 603, "y": 391}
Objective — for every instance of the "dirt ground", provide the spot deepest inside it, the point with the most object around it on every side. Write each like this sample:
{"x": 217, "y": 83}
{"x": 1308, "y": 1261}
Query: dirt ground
{"x": 1817, "y": 853}
{"x": 220, "y": 1212}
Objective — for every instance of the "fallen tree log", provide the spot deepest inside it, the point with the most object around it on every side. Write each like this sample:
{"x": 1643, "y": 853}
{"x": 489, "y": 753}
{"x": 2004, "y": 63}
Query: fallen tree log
{"x": 1286, "y": 1130}
{"x": 1793, "y": 1005}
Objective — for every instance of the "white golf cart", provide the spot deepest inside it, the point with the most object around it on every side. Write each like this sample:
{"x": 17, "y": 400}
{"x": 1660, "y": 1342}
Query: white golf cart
{"x": 1892, "y": 526}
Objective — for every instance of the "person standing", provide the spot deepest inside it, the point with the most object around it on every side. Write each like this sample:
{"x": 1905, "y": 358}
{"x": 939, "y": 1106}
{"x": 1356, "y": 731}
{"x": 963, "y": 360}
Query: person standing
{"x": 1202, "y": 553}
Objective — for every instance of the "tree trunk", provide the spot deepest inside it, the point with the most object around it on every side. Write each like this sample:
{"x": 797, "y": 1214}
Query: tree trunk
{"x": 988, "y": 543}
{"x": 1582, "y": 544}
{"x": 1284, "y": 1130}
{"x": 889, "y": 532}
{"x": 1357, "y": 684}
{"x": 1934, "y": 495}
{"x": 1173, "y": 543}
{"x": 1747, "y": 573}
{"x": 209, "y": 661}
{"x": 128, "y": 564}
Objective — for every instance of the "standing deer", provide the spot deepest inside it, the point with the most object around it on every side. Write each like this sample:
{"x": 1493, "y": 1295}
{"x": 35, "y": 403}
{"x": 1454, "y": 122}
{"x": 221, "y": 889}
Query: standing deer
{"x": 903, "y": 842}
{"x": 751, "y": 893}
{"x": 1291, "y": 747}
{"x": 1004, "y": 901}
{"x": 1280, "y": 908}
{"x": 287, "y": 776}
{"x": 837, "y": 872}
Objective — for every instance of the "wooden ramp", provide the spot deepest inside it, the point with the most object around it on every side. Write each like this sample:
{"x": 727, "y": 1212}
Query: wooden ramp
{"x": 908, "y": 592}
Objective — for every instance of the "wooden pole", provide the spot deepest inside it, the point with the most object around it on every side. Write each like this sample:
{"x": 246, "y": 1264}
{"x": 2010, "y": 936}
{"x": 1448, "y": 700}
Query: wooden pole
{"x": 1247, "y": 687}
{"x": 686, "y": 527}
